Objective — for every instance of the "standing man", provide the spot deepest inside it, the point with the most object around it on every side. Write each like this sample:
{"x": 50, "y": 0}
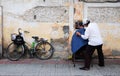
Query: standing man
{"x": 94, "y": 42}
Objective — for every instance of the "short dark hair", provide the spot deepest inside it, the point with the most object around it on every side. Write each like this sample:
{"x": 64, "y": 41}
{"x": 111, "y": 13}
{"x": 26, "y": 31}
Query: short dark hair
{"x": 88, "y": 21}
{"x": 78, "y": 23}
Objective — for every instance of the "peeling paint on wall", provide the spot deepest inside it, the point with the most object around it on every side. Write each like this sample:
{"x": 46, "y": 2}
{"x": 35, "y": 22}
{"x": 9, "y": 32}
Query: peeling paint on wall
{"x": 44, "y": 19}
{"x": 104, "y": 14}
{"x": 78, "y": 12}
{"x": 47, "y": 14}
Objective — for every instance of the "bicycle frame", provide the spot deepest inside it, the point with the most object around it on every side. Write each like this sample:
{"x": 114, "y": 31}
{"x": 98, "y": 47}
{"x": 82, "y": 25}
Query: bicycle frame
{"x": 40, "y": 47}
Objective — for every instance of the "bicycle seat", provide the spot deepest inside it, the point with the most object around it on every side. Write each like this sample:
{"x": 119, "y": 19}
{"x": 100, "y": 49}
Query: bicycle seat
{"x": 35, "y": 37}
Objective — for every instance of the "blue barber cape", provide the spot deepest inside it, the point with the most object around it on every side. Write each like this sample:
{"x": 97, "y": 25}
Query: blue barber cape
{"x": 77, "y": 42}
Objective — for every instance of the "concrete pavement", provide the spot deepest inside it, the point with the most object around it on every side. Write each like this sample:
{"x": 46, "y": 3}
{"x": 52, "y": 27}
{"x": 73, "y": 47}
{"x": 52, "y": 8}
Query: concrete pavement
{"x": 35, "y": 67}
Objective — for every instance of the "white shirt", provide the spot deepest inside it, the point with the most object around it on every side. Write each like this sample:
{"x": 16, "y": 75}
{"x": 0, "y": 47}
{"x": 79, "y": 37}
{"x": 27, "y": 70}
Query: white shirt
{"x": 93, "y": 35}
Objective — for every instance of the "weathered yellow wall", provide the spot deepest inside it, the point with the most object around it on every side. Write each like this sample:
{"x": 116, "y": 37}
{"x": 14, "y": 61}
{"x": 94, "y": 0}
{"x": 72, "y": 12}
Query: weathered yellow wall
{"x": 36, "y": 29}
{"x": 78, "y": 15}
{"x": 78, "y": 11}
{"x": 13, "y": 12}
{"x": 0, "y": 31}
{"x": 111, "y": 37}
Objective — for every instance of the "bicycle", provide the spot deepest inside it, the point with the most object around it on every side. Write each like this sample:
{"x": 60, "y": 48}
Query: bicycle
{"x": 40, "y": 47}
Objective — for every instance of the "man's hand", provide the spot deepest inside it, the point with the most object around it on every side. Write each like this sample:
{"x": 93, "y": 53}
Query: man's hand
{"x": 78, "y": 34}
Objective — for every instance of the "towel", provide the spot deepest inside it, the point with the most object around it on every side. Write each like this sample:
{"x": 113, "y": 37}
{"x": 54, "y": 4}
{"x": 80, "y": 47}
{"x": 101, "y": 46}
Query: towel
{"x": 77, "y": 42}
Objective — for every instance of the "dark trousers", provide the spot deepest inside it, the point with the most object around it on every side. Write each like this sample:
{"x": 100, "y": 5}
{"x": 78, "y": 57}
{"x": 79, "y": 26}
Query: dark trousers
{"x": 89, "y": 52}
{"x": 79, "y": 53}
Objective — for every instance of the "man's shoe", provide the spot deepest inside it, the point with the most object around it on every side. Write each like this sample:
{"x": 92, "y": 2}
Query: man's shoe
{"x": 84, "y": 68}
{"x": 101, "y": 65}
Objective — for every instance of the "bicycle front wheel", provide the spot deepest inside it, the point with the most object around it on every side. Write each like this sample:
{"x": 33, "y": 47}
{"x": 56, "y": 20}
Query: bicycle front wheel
{"x": 44, "y": 50}
{"x": 15, "y": 52}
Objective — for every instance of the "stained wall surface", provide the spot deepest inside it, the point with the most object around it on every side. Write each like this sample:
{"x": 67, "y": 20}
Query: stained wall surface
{"x": 54, "y": 19}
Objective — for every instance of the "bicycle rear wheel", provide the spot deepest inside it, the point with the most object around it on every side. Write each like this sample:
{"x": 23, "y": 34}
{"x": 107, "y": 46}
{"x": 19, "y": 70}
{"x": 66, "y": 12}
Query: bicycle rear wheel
{"x": 44, "y": 50}
{"x": 15, "y": 52}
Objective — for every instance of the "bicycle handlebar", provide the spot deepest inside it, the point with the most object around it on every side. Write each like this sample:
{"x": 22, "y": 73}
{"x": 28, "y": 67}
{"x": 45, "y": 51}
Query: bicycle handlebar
{"x": 19, "y": 31}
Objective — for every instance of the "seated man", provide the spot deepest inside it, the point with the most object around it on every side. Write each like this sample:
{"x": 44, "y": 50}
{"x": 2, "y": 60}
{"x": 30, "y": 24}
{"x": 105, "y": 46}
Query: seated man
{"x": 78, "y": 44}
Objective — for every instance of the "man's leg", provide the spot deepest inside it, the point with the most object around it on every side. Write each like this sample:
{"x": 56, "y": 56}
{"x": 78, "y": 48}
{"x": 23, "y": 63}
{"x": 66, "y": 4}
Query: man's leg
{"x": 88, "y": 55}
{"x": 100, "y": 55}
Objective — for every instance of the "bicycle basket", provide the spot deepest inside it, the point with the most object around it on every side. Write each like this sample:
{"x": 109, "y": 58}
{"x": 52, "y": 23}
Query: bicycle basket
{"x": 19, "y": 40}
{"x": 13, "y": 36}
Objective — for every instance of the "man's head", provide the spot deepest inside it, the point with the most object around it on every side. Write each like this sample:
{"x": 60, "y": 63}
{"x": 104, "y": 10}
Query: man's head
{"x": 78, "y": 24}
{"x": 86, "y": 23}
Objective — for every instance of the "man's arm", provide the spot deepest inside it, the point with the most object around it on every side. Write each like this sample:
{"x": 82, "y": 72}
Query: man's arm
{"x": 85, "y": 36}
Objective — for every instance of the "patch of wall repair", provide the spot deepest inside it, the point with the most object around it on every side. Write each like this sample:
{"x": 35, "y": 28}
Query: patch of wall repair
{"x": 61, "y": 48}
{"x": 66, "y": 31}
{"x": 59, "y": 39}
{"x": 57, "y": 30}
{"x": 104, "y": 14}
{"x": 78, "y": 11}
{"x": 47, "y": 14}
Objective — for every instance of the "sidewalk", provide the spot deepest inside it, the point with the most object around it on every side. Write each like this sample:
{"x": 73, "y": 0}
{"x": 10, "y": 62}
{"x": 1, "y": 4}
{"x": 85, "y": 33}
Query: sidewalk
{"x": 54, "y": 67}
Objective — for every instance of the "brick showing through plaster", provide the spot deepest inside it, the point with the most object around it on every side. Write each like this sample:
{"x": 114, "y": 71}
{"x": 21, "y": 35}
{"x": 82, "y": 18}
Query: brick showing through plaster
{"x": 104, "y": 14}
{"x": 47, "y": 14}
